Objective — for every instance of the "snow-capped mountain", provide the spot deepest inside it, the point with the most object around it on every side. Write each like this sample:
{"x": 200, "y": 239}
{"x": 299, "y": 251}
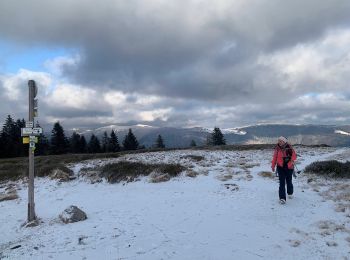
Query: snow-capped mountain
{"x": 236, "y": 131}
{"x": 341, "y": 132}
{"x": 253, "y": 134}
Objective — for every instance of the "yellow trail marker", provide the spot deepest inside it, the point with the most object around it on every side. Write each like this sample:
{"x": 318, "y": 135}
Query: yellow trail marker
{"x": 26, "y": 139}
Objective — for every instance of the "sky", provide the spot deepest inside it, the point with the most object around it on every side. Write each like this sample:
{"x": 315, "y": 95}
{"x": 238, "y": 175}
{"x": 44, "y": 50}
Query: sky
{"x": 177, "y": 63}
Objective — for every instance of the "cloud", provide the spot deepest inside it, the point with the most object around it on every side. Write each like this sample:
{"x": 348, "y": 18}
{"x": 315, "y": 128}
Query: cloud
{"x": 14, "y": 92}
{"x": 14, "y": 87}
{"x": 152, "y": 115}
{"x": 73, "y": 97}
{"x": 184, "y": 63}
{"x": 168, "y": 47}
{"x": 56, "y": 65}
{"x": 320, "y": 66}
{"x": 78, "y": 106}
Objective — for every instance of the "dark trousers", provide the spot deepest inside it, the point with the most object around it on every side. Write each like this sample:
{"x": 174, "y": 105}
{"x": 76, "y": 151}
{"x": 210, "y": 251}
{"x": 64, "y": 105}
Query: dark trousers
{"x": 285, "y": 176}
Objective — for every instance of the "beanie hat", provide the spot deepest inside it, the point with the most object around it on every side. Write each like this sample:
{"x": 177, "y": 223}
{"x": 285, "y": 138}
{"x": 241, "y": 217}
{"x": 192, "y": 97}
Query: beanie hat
{"x": 282, "y": 138}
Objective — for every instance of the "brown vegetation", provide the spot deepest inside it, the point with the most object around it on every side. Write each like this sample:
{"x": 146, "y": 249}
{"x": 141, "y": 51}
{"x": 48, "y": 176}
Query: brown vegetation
{"x": 331, "y": 168}
{"x": 270, "y": 175}
{"x": 15, "y": 168}
{"x": 196, "y": 158}
{"x": 130, "y": 171}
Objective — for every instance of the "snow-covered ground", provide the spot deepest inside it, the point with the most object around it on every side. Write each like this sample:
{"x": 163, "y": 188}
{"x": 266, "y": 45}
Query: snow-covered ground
{"x": 228, "y": 211}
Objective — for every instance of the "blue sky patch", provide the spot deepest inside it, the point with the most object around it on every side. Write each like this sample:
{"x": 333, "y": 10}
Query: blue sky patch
{"x": 14, "y": 57}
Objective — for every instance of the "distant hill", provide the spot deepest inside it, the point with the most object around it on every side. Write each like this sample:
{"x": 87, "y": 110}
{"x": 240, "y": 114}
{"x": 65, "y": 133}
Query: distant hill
{"x": 302, "y": 134}
{"x": 256, "y": 134}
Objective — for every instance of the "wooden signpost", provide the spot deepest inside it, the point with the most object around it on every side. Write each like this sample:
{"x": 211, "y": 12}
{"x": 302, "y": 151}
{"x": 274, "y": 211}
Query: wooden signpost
{"x": 30, "y": 134}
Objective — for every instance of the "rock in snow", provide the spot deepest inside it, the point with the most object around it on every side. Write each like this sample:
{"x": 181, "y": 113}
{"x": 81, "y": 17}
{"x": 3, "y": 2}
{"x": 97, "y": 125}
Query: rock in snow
{"x": 72, "y": 214}
{"x": 62, "y": 175}
{"x": 156, "y": 177}
{"x": 9, "y": 196}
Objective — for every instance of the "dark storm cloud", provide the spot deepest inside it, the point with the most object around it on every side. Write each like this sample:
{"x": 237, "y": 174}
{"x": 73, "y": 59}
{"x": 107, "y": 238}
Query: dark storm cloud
{"x": 194, "y": 49}
{"x": 213, "y": 62}
{"x": 73, "y": 113}
{"x": 14, "y": 93}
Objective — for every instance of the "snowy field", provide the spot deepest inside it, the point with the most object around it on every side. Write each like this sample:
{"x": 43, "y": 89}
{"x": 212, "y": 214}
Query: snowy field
{"x": 228, "y": 211}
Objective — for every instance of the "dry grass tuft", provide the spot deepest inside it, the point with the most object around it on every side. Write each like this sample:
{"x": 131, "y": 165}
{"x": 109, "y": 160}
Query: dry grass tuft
{"x": 196, "y": 158}
{"x": 270, "y": 175}
{"x": 130, "y": 171}
{"x": 16, "y": 168}
{"x": 224, "y": 177}
{"x": 191, "y": 173}
{"x": 331, "y": 168}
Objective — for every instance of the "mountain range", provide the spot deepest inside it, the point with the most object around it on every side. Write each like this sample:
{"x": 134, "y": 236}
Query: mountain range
{"x": 255, "y": 134}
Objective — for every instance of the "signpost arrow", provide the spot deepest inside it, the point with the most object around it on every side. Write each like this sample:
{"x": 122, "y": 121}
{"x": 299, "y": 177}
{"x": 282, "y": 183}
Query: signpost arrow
{"x": 29, "y": 124}
{"x": 31, "y": 131}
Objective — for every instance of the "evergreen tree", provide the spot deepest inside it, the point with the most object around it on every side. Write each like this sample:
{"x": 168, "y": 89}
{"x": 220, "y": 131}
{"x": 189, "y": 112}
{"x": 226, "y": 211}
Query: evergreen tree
{"x": 130, "y": 142}
{"x": 11, "y": 144}
{"x": 8, "y": 132}
{"x": 94, "y": 145}
{"x": 217, "y": 137}
{"x": 43, "y": 145}
{"x": 8, "y": 138}
{"x": 75, "y": 143}
{"x": 82, "y": 145}
{"x": 113, "y": 143}
{"x": 8, "y": 126}
{"x": 193, "y": 143}
{"x": 209, "y": 141}
{"x": 5, "y": 138}
{"x": 19, "y": 148}
{"x": 105, "y": 142}
{"x": 2, "y": 145}
{"x": 59, "y": 142}
{"x": 159, "y": 142}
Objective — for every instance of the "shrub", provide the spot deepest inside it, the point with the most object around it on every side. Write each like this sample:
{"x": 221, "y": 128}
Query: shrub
{"x": 129, "y": 171}
{"x": 172, "y": 169}
{"x": 15, "y": 168}
{"x": 270, "y": 175}
{"x": 11, "y": 169}
{"x": 197, "y": 158}
{"x": 45, "y": 170}
{"x": 330, "y": 168}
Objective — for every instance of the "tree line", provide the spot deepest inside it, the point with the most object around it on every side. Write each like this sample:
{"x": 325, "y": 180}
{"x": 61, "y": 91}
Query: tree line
{"x": 11, "y": 144}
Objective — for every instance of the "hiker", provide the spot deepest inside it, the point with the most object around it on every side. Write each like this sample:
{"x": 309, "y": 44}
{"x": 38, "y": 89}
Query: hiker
{"x": 284, "y": 156}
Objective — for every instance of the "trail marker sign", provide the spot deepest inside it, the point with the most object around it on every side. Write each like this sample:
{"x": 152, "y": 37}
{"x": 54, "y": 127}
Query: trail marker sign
{"x": 31, "y": 131}
{"x": 29, "y": 124}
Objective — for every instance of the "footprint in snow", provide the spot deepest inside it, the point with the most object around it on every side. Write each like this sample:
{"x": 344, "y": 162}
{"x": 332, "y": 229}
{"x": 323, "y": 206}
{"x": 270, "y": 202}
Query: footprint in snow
{"x": 294, "y": 243}
{"x": 231, "y": 186}
{"x": 331, "y": 243}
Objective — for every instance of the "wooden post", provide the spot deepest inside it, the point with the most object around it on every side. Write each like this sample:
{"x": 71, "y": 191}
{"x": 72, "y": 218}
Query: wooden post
{"x": 31, "y": 205}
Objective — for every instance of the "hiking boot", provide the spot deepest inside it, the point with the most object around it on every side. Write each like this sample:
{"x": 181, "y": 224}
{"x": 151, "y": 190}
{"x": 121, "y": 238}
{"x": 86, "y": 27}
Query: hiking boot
{"x": 282, "y": 201}
{"x": 290, "y": 196}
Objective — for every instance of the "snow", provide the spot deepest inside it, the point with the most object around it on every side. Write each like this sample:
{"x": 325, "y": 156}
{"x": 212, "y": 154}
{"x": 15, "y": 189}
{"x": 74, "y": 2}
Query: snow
{"x": 201, "y": 129}
{"x": 341, "y": 132}
{"x": 224, "y": 130}
{"x": 122, "y": 128}
{"x": 145, "y": 126}
{"x": 184, "y": 218}
{"x": 236, "y": 131}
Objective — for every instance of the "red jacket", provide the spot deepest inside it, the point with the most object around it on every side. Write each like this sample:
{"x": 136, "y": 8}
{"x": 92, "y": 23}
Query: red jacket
{"x": 280, "y": 153}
